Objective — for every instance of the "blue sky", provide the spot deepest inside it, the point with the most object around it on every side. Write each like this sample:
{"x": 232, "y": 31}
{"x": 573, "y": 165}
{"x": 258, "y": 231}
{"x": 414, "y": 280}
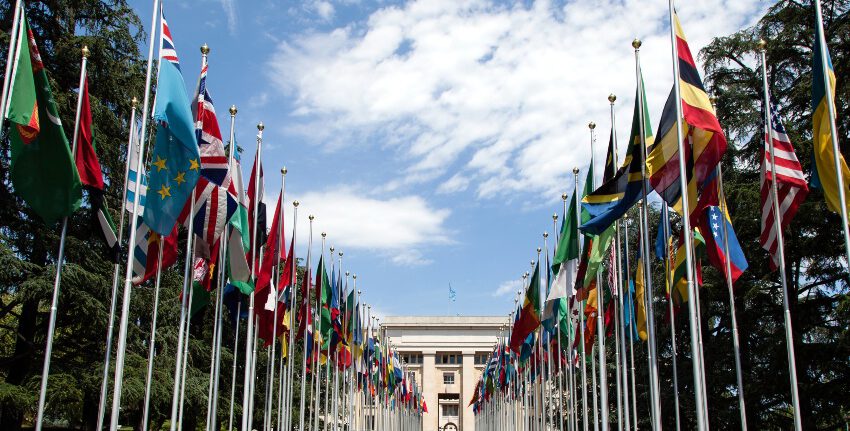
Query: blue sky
{"x": 432, "y": 139}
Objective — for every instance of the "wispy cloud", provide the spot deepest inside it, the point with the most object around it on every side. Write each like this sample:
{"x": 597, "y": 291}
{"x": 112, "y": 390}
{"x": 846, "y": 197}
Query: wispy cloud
{"x": 508, "y": 288}
{"x": 486, "y": 96}
{"x": 229, "y": 7}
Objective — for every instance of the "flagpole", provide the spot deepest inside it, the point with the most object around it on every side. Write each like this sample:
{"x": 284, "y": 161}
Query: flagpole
{"x": 701, "y": 403}
{"x": 290, "y": 350}
{"x": 777, "y": 226}
{"x": 10, "y": 58}
{"x": 184, "y": 311}
{"x": 654, "y": 386}
{"x": 185, "y": 359}
{"x": 836, "y": 153}
{"x": 665, "y": 214}
{"x": 627, "y": 289}
{"x": 273, "y": 354}
{"x": 320, "y": 340}
{"x": 558, "y": 331}
{"x": 631, "y": 339}
{"x": 336, "y": 392}
{"x": 583, "y": 356}
{"x": 307, "y": 310}
{"x": 51, "y": 326}
{"x": 152, "y": 342}
{"x": 235, "y": 355}
{"x": 125, "y": 305}
{"x": 246, "y": 386}
{"x": 571, "y": 383}
{"x": 101, "y": 408}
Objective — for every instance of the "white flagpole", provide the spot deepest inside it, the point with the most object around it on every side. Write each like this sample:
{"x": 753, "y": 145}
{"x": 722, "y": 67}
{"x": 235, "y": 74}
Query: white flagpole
{"x": 10, "y": 58}
{"x": 185, "y": 360}
{"x": 222, "y": 284}
{"x": 125, "y": 305}
{"x": 273, "y": 354}
{"x": 701, "y": 403}
{"x": 233, "y": 373}
{"x": 560, "y": 403}
{"x": 293, "y": 287}
{"x": 104, "y": 385}
{"x": 247, "y": 395}
{"x": 583, "y": 357}
{"x": 307, "y": 311}
{"x": 654, "y": 385}
{"x": 836, "y": 153}
{"x": 665, "y": 214}
{"x": 319, "y": 341}
{"x": 51, "y": 326}
{"x": 777, "y": 225}
{"x": 152, "y": 342}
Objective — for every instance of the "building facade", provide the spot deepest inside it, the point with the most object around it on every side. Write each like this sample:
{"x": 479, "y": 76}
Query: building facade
{"x": 445, "y": 356}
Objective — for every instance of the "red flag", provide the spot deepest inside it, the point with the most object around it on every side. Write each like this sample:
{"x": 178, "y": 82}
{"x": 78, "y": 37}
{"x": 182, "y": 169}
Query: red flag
{"x": 87, "y": 163}
{"x": 169, "y": 254}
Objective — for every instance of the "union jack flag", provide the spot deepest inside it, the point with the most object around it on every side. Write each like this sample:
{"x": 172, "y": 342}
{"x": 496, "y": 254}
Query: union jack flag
{"x": 166, "y": 44}
{"x": 791, "y": 185}
{"x": 214, "y": 163}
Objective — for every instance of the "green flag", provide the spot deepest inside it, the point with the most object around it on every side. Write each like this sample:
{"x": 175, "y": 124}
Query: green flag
{"x": 42, "y": 168}
{"x": 568, "y": 242}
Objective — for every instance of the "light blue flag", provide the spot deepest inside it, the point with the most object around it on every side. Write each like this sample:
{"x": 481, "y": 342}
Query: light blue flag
{"x": 175, "y": 160}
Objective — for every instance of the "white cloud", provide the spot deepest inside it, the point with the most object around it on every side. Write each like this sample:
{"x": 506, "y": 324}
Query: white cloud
{"x": 495, "y": 98}
{"x": 325, "y": 9}
{"x": 229, "y": 7}
{"x": 398, "y": 228}
{"x": 508, "y": 288}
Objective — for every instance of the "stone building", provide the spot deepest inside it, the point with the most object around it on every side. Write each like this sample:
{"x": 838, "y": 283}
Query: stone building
{"x": 445, "y": 356}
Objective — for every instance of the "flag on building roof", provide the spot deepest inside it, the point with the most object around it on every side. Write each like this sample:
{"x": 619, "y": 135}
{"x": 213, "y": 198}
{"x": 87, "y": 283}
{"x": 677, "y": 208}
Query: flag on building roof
{"x": 791, "y": 186}
{"x": 41, "y": 166}
{"x": 824, "y": 175}
{"x": 611, "y": 200}
{"x": 175, "y": 160}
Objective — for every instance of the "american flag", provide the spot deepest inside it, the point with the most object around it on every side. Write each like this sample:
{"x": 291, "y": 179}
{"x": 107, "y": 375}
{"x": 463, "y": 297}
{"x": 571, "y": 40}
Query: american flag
{"x": 791, "y": 185}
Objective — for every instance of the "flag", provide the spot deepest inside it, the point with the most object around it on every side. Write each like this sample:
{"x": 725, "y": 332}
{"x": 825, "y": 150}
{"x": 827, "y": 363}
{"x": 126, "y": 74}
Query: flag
{"x": 564, "y": 263}
{"x": 568, "y": 241}
{"x": 239, "y": 240}
{"x": 133, "y": 176}
{"x": 214, "y": 164}
{"x": 213, "y": 207}
{"x": 612, "y": 199}
{"x": 265, "y": 291}
{"x": 791, "y": 186}
{"x": 146, "y": 250}
{"x": 705, "y": 142}
{"x": 716, "y": 222}
{"x": 679, "y": 269}
{"x": 824, "y": 175}
{"x": 91, "y": 176}
{"x": 637, "y": 304}
{"x": 175, "y": 166}
{"x": 255, "y": 198}
{"x": 529, "y": 316}
{"x": 41, "y": 167}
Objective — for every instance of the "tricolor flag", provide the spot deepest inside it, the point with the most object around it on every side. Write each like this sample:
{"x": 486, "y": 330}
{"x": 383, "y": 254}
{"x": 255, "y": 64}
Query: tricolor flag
{"x": 41, "y": 166}
{"x": 718, "y": 224}
{"x": 791, "y": 185}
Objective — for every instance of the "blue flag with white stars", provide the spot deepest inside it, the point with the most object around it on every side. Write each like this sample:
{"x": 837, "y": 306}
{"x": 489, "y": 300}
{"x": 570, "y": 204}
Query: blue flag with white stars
{"x": 175, "y": 160}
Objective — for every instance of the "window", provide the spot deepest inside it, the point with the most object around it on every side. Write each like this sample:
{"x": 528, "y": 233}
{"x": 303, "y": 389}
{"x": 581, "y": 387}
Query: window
{"x": 412, "y": 358}
{"x": 481, "y": 358}
{"x": 449, "y": 359}
{"x": 448, "y": 378}
{"x": 450, "y": 410}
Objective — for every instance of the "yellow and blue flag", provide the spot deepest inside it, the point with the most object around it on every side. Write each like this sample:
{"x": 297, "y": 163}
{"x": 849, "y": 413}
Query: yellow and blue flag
{"x": 824, "y": 175}
{"x": 175, "y": 160}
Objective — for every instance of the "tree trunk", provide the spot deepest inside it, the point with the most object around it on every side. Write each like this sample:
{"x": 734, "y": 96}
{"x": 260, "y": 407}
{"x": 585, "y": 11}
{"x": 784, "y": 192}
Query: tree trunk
{"x": 20, "y": 365}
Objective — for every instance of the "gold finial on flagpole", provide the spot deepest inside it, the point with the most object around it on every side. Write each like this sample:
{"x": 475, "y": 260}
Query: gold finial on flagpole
{"x": 762, "y": 44}
{"x": 563, "y": 196}
{"x": 546, "y": 234}
{"x": 612, "y": 98}
{"x": 636, "y": 43}
{"x": 205, "y": 49}
{"x": 86, "y": 51}
{"x": 283, "y": 171}
{"x": 555, "y": 216}
{"x": 340, "y": 253}
{"x": 354, "y": 276}
{"x": 324, "y": 234}
{"x": 233, "y": 110}
{"x": 591, "y": 125}
{"x": 332, "y": 248}
{"x": 134, "y": 102}
{"x": 311, "y": 217}
{"x": 575, "y": 171}
{"x": 260, "y": 126}
{"x": 295, "y": 204}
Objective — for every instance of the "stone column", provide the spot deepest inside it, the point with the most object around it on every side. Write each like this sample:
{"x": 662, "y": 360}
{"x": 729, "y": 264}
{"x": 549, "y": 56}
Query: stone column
{"x": 468, "y": 380}
{"x": 429, "y": 390}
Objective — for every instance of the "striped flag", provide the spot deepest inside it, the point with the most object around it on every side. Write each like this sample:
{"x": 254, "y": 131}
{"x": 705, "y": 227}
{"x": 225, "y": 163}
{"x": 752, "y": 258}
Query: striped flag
{"x": 214, "y": 163}
{"x": 791, "y": 185}
{"x": 146, "y": 249}
{"x": 133, "y": 176}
